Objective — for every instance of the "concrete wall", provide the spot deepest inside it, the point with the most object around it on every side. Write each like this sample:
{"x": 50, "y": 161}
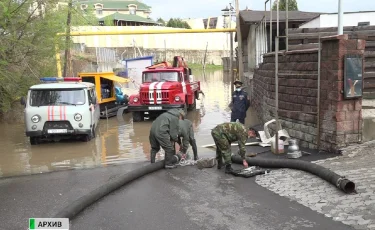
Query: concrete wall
{"x": 298, "y": 88}
{"x": 216, "y": 41}
{"x": 349, "y": 19}
{"x": 191, "y": 56}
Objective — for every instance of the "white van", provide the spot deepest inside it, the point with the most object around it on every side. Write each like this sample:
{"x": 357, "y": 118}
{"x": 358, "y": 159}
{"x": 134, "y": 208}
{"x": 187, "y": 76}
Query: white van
{"x": 55, "y": 111}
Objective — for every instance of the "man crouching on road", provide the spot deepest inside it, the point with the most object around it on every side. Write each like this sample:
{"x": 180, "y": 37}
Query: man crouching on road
{"x": 223, "y": 135}
{"x": 187, "y": 135}
{"x": 164, "y": 133}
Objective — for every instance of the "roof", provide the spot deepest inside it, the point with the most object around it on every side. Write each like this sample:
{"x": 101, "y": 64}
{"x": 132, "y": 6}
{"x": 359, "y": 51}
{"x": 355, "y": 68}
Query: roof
{"x": 63, "y": 85}
{"x": 115, "y": 4}
{"x": 127, "y": 17}
{"x": 254, "y": 16}
{"x": 249, "y": 17}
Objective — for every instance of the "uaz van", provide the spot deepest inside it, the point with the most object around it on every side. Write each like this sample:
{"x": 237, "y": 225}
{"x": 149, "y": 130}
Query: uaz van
{"x": 55, "y": 111}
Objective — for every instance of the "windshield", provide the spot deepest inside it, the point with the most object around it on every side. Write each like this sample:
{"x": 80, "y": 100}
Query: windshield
{"x": 160, "y": 76}
{"x": 57, "y": 97}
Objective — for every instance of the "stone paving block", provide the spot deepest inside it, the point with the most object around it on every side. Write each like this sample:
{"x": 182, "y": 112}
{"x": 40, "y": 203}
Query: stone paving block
{"x": 356, "y": 210}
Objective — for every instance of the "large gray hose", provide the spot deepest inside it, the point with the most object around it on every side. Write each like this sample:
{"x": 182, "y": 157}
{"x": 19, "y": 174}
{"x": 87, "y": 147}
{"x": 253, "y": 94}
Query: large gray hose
{"x": 77, "y": 206}
{"x": 339, "y": 181}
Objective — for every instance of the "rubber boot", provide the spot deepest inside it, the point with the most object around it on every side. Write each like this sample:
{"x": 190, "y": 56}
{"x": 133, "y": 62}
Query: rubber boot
{"x": 219, "y": 163}
{"x": 176, "y": 158}
{"x": 228, "y": 168}
{"x": 153, "y": 156}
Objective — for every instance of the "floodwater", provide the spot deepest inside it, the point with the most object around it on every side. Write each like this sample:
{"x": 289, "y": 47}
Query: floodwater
{"x": 117, "y": 142}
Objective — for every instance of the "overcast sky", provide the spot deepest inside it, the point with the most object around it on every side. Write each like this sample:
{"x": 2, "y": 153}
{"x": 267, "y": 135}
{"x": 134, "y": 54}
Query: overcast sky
{"x": 211, "y": 8}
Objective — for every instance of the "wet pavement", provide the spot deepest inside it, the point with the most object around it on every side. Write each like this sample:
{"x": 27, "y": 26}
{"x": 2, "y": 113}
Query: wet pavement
{"x": 184, "y": 198}
{"x": 116, "y": 142}
{"x": 189, "y": 198}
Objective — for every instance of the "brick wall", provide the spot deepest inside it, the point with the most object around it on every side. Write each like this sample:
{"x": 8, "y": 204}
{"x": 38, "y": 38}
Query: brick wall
{"x": 297, "y": 93}
{"x": 298, "y": 89}
{"x": 341, "y": 119}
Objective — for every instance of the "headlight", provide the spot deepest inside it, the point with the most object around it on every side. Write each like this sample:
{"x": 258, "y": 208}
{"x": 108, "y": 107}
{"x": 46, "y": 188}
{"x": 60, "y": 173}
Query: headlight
{"x": 135, "y": 99}
{"x": 177, "y": 98}
{"x": 35, "y": 118}
{"x": 77, "y": 117}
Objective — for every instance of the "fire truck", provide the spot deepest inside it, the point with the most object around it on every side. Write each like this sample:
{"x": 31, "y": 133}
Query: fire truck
{"x": 165, "y": 86}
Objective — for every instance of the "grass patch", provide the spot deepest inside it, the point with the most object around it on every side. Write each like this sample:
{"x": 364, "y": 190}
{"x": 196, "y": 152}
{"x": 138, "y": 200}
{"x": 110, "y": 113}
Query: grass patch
{"x": 208, "y": 66}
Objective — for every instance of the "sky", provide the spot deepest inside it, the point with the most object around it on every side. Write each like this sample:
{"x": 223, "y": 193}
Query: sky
{"x": 210, "y": 8}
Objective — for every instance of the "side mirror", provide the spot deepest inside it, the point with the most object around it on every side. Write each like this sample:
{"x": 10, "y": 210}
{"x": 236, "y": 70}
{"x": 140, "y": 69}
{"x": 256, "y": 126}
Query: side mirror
{"x": 94, "y": 101}
{"x": 23, "y": 101}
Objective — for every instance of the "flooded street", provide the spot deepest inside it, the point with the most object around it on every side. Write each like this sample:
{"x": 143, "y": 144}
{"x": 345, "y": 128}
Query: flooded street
{"x": 116, "y": 142}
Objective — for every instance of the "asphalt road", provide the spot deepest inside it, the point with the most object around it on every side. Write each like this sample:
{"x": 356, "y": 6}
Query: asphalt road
{"x": 189, "y": 198}
{"x": 43, "y": 195}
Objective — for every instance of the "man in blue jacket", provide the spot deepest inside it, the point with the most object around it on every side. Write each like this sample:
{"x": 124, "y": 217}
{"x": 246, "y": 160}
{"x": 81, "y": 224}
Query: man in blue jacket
{"x": 240, "y": 103}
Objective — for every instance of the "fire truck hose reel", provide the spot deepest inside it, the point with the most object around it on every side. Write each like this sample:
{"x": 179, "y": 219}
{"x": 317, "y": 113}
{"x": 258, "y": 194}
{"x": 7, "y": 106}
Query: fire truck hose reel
{"x": 74, "y": 208}
{"x": 340, "y": 182}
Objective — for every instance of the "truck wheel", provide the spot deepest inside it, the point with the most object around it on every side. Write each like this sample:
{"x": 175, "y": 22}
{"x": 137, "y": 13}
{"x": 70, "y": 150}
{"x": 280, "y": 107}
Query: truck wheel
{"x": 138, "y": 116}
{"x": 34, "y": 140}
{"x": 194, "y": 105}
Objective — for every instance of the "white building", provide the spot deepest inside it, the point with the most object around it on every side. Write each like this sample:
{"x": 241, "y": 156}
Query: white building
{"x": 361, "y": 18}
{"x": 210, "y": 23}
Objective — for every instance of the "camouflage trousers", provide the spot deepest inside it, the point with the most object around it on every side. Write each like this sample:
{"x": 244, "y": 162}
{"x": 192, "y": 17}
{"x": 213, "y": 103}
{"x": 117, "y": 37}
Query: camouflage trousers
{"x": 223, "y": 146}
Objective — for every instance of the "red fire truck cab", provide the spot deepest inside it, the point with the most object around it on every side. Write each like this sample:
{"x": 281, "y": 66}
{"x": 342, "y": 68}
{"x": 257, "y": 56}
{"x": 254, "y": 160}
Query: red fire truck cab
{"x": 165, "y": 87}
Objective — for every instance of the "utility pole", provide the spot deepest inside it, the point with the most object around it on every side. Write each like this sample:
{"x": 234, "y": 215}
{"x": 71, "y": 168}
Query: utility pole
{"x": 239, "y": 42}
{"x": 67, "y": 39}
{"x": 340, "y": 28}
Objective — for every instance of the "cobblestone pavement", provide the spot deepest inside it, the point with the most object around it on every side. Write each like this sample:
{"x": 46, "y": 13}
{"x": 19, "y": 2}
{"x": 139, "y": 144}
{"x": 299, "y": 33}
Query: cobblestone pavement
{"x": 356, "y": 210}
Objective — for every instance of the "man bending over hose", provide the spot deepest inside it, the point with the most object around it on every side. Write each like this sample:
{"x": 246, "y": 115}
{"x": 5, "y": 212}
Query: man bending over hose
{"x": 226, "y": 133}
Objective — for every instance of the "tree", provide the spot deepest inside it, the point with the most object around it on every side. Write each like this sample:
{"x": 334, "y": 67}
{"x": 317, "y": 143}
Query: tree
{"x": 161, "y": 21}
{"x": 28, "y": 31}
{"x": 292, "y": 5}
{"x": 178, "y": 23}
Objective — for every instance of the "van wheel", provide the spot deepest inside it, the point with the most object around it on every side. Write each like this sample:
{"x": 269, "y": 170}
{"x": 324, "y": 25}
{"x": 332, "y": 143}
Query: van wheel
{"x": 193, "y": 106}
{"x": 34, "y": 140}
{"x": 138, "y": 116}
{"x": 93, "y": 134}
{"x": 86, "y": 138}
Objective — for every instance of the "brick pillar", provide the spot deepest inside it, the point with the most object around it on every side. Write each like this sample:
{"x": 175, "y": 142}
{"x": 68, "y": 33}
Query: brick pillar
{"x": 340, "y": 120}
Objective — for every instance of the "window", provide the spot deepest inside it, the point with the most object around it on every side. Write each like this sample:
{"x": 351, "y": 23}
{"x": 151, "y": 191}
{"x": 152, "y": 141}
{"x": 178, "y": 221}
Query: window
{"x": 99, "y": 8}
{"x": 83, "y": 6}
{"x": 57, "y": 97}
{"x": 160, "y": 76}
{"x": 132, "y": 9}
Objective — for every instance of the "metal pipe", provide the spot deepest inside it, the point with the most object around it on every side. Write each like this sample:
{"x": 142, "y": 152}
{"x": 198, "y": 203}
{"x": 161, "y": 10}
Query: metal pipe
{"x": 340, "y": 19}
{"x": 231, "y": 76}
{"x": 277, "y": 93}
{"x": 277, "y": 19}
{"x": 129, "y": 32}
{"x": 271, "y": 26}
{"x": 58, "y": 59}
{"x": 287, "y": 26}
{"x": 318, "y": 97}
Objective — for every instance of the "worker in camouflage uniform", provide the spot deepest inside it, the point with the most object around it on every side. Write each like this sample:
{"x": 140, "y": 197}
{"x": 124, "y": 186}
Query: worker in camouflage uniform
{"x": 164, "y": 133}
{"x": 223, "y": 135}
{"x": 187, "y": 135}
